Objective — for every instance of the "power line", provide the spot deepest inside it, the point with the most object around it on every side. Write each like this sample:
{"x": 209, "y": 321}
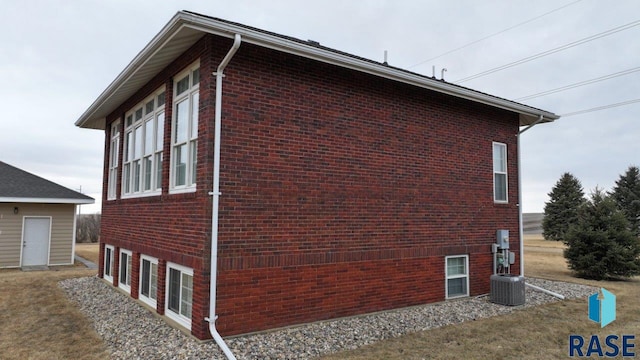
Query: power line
{"x": 494, "y": 34}
{"x": 552, "y": 51}
{"x": 601, "y": 108}
{"x": 578, "y": 84}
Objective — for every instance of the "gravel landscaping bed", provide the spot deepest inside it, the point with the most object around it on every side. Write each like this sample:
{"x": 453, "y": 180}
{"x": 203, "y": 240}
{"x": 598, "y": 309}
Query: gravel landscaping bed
{"x": 133, "y": 332}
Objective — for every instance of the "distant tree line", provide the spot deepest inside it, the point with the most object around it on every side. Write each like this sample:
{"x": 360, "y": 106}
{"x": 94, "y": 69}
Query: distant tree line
{"x": 602, "y": 233}
{"x": 88, "y": 228}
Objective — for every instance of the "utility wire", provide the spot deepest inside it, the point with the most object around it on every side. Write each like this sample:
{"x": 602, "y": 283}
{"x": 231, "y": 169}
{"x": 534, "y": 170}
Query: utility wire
{"x": 601, "y": 108}
{"x": 494, "y": 34}
{"x": 579, "y": 84}
{"x": 552, "y": 51}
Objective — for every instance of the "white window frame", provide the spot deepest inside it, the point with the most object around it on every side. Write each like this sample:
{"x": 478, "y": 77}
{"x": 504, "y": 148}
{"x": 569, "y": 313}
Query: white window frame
{"x": 189, "y": 143}
{"x": 497, "y": 172}
{"x": 109, "y": 266}
{"x": 114, "y": 154}
{"x": 149, "y": 300}
{"x": 177, "y": 317}
{"x": 456, "y": 276}
{"x": 143, "y": 147}
{"x": 129, "y": 265}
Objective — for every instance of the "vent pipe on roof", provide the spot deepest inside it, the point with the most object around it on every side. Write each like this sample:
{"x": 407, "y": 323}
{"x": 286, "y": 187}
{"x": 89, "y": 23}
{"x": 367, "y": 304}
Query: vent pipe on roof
{"x": 385, "y": 58}
{"x": 216, "y": 201}
{"x": 442, "y": 73}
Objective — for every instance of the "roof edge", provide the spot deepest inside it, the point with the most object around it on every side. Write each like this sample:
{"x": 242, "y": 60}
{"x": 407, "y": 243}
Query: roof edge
{"x": 46, "y": 200}
{"x": 297, "y": 47}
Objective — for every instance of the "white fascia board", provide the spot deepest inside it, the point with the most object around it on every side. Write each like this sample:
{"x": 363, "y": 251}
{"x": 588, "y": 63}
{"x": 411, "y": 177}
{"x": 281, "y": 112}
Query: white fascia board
{"x": 45, "y": 200}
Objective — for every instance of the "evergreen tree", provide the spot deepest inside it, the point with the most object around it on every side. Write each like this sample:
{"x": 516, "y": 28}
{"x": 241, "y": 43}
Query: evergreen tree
{"x": 561, "y": 211}
{"x": 600, "y": 244}
{"x": 626, "y": 193}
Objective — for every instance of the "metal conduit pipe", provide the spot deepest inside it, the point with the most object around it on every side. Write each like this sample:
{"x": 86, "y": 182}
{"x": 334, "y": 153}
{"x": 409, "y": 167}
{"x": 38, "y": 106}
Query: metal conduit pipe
{"x": 216, "y": 201}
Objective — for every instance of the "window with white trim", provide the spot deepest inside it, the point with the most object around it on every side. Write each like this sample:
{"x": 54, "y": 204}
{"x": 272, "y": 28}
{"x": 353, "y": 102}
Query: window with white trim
{"x": 500, "y": 172}
{"x": 457, "y": 276}
{"x": 125, "y": 270}
{"x": 108, "y": 263}
{"x": 114, "y": 153}
{"x": 184, "y": 130}
{"x": 143, "y": 142}
{"x": 149, "y": 280}
{"x": 179, "y": 294}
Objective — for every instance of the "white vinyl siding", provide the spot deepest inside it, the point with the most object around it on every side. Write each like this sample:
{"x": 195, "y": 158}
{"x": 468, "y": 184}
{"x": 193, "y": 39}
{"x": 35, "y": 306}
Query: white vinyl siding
{"x": 500, "y": 191}
{"x": 457, "y": 276}
{"x": 108, "y": 263}
{"x": 184, "y": 133}
{"x": 125, "y": 270}
{"x": 149, "y": 280}
{"x": 179, "y": 294}
{"x": 143, "y": 143}
{"x": 114, "y": 153}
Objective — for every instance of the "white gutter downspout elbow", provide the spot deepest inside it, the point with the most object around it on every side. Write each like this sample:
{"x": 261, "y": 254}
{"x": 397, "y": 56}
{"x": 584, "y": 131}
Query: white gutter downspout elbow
{"x": 216, "y": 200}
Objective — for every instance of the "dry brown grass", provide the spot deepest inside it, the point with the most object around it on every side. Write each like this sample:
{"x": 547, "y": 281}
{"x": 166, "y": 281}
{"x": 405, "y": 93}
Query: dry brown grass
{"x": 38, "y": 322}
{"x": 88, "y": 251}
{"x": 538, "y": 333}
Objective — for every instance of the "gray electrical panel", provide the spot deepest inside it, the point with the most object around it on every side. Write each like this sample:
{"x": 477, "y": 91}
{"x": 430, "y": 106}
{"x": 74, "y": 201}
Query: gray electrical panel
{"x": 502, "y": 239}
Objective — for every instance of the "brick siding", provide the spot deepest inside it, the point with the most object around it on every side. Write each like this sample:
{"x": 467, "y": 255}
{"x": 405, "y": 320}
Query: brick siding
{"x": 342, "y": 192}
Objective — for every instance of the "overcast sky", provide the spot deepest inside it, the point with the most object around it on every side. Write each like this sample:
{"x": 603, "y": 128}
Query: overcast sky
{"x": 56, "y": 57}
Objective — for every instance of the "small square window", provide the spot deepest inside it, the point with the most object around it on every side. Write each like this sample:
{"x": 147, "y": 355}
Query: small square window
{"x": 161, "y": 99}
{"x": 183, "y": 85}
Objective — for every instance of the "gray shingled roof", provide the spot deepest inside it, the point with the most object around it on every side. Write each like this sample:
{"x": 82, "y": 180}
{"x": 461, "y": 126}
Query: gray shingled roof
{"x": 20, "y": 186}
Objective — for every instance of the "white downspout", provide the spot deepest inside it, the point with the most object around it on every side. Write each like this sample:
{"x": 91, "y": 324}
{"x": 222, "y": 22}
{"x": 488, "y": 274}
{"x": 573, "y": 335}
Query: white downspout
{"x": 216, "y": 201}
{"x": 520, "y": 222}
{"x": 520, "y": 225}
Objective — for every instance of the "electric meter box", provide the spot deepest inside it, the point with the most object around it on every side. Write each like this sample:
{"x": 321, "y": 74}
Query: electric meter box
{"x": 502, "y": 239}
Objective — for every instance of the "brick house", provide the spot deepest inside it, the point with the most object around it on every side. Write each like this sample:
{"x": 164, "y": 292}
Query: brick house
{"x": 345, "y": 186}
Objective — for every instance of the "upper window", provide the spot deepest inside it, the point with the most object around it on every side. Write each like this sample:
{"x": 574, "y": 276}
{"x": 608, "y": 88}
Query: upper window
{"x": 499, "y": 172}
{"x": 108, "y": 263}
{"x": 457, "y": 275}
{"x": 125, "y": 270}
{"x": 179, "y": 294}
{"x": 149, "y": 280}
{"x": 184, "y": 132}
{"x": 114, "y": 152}
{"x": 143, "y": 142}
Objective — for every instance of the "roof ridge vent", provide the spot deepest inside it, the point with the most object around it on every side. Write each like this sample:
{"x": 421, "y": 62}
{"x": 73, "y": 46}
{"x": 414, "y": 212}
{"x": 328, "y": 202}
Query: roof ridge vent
{"x": 313, "y": 42}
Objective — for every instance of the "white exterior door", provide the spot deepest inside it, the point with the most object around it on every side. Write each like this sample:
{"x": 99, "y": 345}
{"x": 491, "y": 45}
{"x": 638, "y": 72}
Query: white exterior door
{"x": 36, "y": 234}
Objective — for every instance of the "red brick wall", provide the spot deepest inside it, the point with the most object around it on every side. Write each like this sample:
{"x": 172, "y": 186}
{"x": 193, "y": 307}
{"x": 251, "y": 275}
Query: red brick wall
{"x": 341, "y": 192}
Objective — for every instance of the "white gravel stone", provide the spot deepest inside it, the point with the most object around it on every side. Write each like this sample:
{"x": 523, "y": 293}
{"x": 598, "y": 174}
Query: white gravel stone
{"x": 133, "y": 332}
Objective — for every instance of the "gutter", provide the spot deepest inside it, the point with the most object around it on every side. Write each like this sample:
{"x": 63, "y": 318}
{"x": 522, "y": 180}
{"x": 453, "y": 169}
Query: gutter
{"x": 216, "y": 201}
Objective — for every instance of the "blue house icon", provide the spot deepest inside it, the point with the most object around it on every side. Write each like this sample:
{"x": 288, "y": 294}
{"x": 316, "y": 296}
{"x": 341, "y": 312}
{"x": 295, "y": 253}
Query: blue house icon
{"x": 602, "y": 309}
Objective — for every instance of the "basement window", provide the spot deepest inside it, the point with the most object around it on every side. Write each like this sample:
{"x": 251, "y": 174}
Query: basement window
{"x": 179, "y": 294}
{"x": 108, "y": 263}
{"x": 125, "y": 270}
{"x": 149, "y": 280}
{"x": 457, "y": 276}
